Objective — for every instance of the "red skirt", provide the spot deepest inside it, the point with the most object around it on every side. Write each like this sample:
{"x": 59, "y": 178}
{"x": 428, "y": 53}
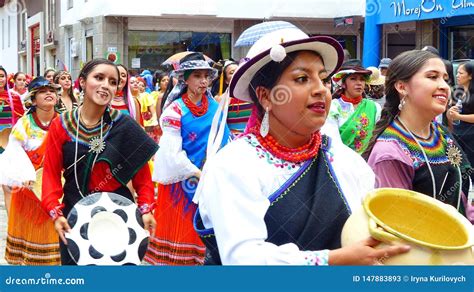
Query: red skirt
{"x": 175, "y": 241}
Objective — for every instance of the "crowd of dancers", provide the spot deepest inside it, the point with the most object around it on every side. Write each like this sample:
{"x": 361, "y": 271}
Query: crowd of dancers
{"x": 257, "y": 162}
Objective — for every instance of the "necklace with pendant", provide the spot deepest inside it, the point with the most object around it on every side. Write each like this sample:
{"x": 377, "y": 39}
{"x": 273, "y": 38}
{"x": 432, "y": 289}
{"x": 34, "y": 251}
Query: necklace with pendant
{"x": 454, "y": 156}
{"x": 96, "y": 145}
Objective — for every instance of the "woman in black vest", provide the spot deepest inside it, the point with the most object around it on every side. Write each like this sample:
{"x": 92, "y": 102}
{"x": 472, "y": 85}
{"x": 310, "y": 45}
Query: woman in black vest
{"x": 103, "y": 154}
{"x": 281, "y": 193}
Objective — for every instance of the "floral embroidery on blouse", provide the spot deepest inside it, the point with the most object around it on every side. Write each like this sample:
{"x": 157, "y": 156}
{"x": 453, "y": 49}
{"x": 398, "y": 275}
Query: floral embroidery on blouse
{"x": 362, "y": 131}
{"x": 262, "y": 153}
{"x": 317, "y": 258}
{"x": 330, "y": 155}
{"x": 192, "y": 136}
{"x": 171, "y": 122}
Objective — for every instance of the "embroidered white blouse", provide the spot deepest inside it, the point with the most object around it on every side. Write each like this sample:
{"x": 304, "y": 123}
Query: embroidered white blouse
{"x": 172, "y": 164}
{"x": 15, "y": 165}
{"x": 233, "y": 197}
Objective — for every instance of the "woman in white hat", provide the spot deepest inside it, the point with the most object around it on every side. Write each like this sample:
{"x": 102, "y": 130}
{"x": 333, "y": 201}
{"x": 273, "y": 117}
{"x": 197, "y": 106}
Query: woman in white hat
{"x": 32, "y": 239}
{"x": 281, "y": 193}
{"x": 352, "y": 113}
{"x": 186, "y": 123}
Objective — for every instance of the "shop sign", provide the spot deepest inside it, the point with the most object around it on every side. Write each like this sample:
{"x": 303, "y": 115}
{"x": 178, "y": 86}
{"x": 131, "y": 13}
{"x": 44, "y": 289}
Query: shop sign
{"x": 135, "y": 63}
{"x": 409, "y": 10}
{"x": 343, "y": 21}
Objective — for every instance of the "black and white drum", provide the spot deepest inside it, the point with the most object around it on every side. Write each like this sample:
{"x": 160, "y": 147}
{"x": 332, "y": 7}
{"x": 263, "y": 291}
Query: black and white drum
{"x": 106, "y": 229}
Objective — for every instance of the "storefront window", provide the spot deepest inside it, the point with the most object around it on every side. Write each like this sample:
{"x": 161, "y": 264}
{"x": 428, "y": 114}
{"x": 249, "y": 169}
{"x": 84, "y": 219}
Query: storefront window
{"x": 400, "y": 42}
{"x": 462, "y": 44}
{"x": 149, "y": 49}
{"x": 348, "y": 42}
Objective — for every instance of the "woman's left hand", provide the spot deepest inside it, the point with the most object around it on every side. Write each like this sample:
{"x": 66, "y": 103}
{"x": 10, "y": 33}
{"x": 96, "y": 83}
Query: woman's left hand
{"x": 149, "y": 222}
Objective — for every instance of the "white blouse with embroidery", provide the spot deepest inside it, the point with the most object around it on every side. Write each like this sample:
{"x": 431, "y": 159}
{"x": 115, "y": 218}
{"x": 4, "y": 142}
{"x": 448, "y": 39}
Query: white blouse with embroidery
{"x": 172, "y": 164}
{"x": 233, "y": 197}
{"x": 15, "y": 165}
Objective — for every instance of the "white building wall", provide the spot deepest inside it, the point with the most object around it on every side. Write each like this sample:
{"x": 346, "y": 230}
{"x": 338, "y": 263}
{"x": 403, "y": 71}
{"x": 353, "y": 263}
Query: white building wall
{"x": 241, "y": 9}
{"x": 9, "y": 15}
{"x": 99, "y": 17}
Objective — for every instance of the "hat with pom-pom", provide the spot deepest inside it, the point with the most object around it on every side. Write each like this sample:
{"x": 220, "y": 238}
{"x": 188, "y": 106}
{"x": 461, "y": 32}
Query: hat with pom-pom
{"x": 274, "y": 46}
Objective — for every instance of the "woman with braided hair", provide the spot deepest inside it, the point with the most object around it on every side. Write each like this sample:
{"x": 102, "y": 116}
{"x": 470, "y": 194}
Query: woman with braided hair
{"x": 409, "y": 150}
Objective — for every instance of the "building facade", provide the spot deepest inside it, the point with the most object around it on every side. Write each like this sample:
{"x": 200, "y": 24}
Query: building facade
{"x": 395, "y": 26}
{"x": 9, "y": 16}
{"x": 141, "y": 35}
{"x": 32, "y": 33}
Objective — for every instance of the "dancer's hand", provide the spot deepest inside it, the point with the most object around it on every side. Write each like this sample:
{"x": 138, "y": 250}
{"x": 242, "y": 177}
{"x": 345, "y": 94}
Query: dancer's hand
{"x": 364, "y": 253}
{"x": 62, "y": 227}
{"x": 149, "y": 222}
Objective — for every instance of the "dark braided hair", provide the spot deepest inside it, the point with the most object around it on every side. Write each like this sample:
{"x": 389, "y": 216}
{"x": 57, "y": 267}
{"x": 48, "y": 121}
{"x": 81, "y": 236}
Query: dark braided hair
{"x": 402, "y": 68}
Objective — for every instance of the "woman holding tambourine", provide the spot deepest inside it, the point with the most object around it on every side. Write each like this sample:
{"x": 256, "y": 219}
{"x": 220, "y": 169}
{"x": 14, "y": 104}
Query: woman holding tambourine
{"x": 99, "y": 149}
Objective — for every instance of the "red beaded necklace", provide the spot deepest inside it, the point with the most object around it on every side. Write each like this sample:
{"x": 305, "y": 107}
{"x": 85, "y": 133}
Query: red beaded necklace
{"x": 295, "y": 155}
{"x": 196, "y": 110}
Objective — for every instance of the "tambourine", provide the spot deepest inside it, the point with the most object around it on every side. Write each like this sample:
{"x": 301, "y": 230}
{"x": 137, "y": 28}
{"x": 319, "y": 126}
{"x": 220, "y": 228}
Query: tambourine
{"x": 106, "y": 229}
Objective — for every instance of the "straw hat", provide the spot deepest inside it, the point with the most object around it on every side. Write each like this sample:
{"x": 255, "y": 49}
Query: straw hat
{"x": 376, "y": 78}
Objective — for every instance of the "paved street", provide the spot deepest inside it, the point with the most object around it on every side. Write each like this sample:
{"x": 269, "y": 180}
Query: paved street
{"x": 3, "y": 228}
